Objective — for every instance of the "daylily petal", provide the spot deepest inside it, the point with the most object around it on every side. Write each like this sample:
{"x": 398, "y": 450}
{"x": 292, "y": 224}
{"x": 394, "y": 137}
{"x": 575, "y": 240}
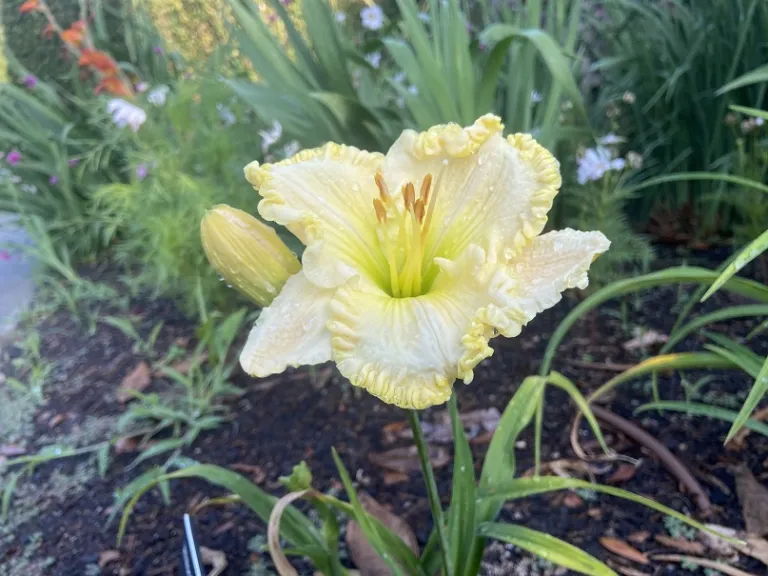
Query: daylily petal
{"x": 552, "y": 263}
{"x": 409, "y": 351}
{"x": 324, "y": 196}
{"x": 485, "y": 185}
{"x": 533, "y": 282}
{"x": 291, "y": 331}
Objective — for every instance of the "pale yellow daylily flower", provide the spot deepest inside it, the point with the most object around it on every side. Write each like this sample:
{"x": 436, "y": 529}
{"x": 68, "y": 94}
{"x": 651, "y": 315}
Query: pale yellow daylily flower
{"x": 414, "y": 260}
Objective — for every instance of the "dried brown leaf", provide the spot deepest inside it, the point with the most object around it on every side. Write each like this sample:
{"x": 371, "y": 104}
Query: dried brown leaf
{"x": 126, "y": 444}
{"x": 681, "y": 544}
{"x": 107, "y": 557}
{"x": 406, "y": 460}
{"x": 738, "y": 442}
{"x": 216, "y": 559}
{"x": 363, "y": 555}
{"x": 572, "y": 500}
{"x": 12, "y": 450}
{"x": 639, "y": 537}
{"x": 754, "y": 501}
{"x": 645, "y": 339}
{"x": 137, "y": 380}
{"x": 391, "y": 478}
{"x": 621, "y": 548}
{"x": 185, "y": 364}
{"x": 256, "y": 472}
{"x": 623, "y": 473}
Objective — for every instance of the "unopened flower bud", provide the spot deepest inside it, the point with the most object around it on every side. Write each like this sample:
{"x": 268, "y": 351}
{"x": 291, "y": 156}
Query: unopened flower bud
{"x": 248, "y": 254}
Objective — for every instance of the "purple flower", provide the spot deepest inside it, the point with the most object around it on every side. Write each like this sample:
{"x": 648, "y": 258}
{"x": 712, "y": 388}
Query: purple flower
{"x": 72, "y": 162}
{"x": 13, "y": 157}
{"x": 30, "y": 81}
{"x": 142, "y": 170}
{"x": 53, "y": 180}
{"x": 286, "y": 2}
{"x": 5, "y": 255}
{"x": 157, "y": 49}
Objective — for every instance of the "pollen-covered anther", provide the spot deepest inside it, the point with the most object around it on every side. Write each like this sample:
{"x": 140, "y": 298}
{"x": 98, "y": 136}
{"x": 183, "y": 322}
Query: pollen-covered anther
{"x": 418, "y": 210}
{"x": 409, "y": 196}
{"x": 426, "y": 186}
{"x": 381, "y": 211}
{"x": 382, "y": 186}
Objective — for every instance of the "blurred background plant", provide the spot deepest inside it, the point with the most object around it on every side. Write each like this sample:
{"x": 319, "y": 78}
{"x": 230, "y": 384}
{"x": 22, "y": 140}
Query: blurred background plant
{"x": 653, "y": 74}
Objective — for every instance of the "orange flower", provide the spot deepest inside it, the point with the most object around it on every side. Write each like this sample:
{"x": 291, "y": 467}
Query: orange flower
{"x": 79, "y": 25}
{"x": 98, "y": 60}
{"x": 113, "y": 85}
{"x": 48, "y": 31}
{"x": 28, "y": 6}
{"x": 72, "y": 36}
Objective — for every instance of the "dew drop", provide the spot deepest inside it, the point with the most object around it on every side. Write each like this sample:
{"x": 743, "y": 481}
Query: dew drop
{"x": 479, "y": 161}
{"x": 221, "y": 279}
{"x": 356, "y": 187}
{"x": 229, "y": 285}
{"x": 463, "y": 468}
{"x": 445, "y": 162}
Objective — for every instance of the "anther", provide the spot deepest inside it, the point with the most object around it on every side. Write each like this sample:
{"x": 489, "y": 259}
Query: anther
{"x": 382, "y": 186}
{"x": 419, "y": 210}
{"x": 426, "y": 185}
{"x": 381, "y": 212}
{"x": 409, "y": 195}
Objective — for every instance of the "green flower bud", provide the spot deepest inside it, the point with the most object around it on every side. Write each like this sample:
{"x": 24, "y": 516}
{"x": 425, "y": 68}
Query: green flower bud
{"x": 248, "y": 254}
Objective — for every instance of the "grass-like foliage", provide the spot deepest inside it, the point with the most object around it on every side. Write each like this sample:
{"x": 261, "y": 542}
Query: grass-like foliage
{"x": 674, "y": 57}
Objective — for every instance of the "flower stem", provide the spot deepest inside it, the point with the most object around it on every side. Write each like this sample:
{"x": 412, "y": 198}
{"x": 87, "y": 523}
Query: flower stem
{"x": 434, "y": 496}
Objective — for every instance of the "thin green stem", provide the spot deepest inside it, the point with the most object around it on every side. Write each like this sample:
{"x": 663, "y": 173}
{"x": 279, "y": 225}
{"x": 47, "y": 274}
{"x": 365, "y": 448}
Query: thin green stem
{"x": 434, "y": 496}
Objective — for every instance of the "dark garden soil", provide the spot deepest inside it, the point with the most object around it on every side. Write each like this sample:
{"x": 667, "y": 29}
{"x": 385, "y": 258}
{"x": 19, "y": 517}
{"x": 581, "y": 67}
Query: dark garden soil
{"x": 300, "y": 415}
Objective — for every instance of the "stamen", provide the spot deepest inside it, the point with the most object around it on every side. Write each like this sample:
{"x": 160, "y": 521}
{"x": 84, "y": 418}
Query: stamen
{"x": 419, "y": 210}
{"x": 409, "y": 195}
{"x": 381, "y": 212}
{"x": 382, "y": 186}
{"x": 426, "y": 185}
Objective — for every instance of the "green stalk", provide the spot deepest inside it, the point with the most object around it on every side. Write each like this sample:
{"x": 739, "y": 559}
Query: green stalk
{"x": 434, "y": 497}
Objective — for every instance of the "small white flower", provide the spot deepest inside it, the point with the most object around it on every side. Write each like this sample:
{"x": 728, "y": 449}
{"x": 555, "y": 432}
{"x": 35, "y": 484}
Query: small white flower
{"x": 374, "y": 59}
{"x": 413, "y": 90}
{"x": 611, "y": 140}
{"x": 15, "y": 179}
{"x": 271, "y": 136}
{"x": 226, "y": 115}
{"x": 291, "y": 149}
{"x": 142, "y": 87}
{"x": 340, "y": 17}
{"x": 759, "y": 121}
{"x": 424, "y": 17}
{"x": 628, "y": 97}
{"x": 567, "y": 105}
{"x": 536, "y": 97}
{"x": 398, "y": 78}
{"x": 747, "y": 125}
{"x": 29, "y": 188}
{"x": 372, "y": 17}
{"x": 126, "y": 114}
{"x": 158, "y": 95}
{"x": 400, "y": 101}
{"x": 595, "y": 163}
{"x": 635, "y": 160}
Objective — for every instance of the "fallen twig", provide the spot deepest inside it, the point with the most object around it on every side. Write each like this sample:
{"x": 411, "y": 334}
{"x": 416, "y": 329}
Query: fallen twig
{"x": 665, "y": 456}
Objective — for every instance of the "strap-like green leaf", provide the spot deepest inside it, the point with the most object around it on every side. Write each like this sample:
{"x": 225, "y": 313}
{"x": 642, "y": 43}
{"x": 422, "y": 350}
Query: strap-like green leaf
{"x": 547, "y": 547}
